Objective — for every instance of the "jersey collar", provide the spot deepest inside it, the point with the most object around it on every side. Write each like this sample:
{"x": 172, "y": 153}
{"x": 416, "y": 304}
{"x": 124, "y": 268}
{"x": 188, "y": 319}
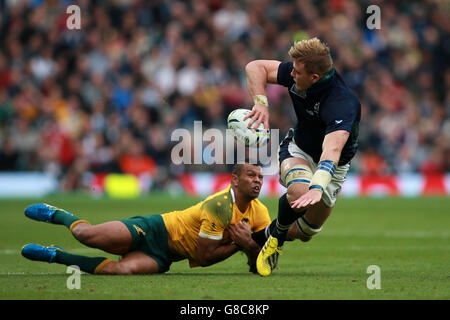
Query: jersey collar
{"x": 232, "y": 194}
{"x": 322, "y": 84}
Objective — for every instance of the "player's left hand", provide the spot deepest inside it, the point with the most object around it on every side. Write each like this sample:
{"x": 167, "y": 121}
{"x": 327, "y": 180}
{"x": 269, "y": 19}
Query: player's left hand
{"x": 308, "y": 199}
{"x": 240, "y": 233}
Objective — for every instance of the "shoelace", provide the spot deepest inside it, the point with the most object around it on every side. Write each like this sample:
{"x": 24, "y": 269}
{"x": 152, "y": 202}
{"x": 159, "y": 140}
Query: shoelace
{"x": 274, "y": 247}
{"x": 273, "y": 258}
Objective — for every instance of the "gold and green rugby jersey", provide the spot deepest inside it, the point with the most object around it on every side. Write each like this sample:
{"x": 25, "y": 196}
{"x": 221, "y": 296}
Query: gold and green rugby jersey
{"x": 209, "y": 219}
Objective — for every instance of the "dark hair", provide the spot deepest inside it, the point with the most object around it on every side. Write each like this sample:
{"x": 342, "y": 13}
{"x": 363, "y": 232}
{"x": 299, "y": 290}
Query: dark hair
{"x": 237, "y": 168}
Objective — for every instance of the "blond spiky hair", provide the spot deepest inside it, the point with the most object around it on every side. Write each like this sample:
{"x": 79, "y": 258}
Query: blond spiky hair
{"x": 314, "y": 54}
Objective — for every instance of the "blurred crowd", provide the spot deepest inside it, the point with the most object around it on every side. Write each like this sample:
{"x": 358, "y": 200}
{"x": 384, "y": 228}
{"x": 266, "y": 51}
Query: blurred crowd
{"x": 107, "y": 97}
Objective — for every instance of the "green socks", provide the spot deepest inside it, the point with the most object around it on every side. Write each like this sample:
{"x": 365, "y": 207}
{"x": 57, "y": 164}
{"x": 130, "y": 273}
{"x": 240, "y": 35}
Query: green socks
{"x": 64, "y": 218}
{"x": 86, "y": 264}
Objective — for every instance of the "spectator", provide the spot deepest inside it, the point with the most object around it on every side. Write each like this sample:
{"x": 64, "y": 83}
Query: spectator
{"x": 108, "y": 96}
{"x": 135, "y": 161}
{"x": 8, "y": 156}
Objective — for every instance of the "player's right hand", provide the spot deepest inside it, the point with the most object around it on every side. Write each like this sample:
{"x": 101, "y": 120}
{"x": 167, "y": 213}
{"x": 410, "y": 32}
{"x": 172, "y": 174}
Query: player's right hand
{"x": 259, "y": 114}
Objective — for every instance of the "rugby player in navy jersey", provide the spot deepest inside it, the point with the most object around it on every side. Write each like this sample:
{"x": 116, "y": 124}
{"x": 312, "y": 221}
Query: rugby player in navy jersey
{"x": 315, "y": 155}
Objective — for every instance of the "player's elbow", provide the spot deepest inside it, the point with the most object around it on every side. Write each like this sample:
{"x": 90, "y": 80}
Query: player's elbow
{"x": 204, "y": 262}
{"x": 204, "y": 259}
{"x": 254, "y": 66}
{"x": 250, "y": 65}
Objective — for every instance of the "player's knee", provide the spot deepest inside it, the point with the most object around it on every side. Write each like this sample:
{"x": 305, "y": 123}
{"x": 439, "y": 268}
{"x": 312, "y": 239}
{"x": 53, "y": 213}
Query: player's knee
{"x": 297, "y": 180}
{"x": 295, "y": 192}
{"x": 117, "y": 268}
{"x": 122, "y": 268}
{"x": 85, "y": 234}
{"x": 126, "y": 269}
{"x": 297, "y": 174}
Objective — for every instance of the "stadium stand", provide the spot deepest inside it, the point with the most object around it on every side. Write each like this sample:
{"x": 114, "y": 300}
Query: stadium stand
{"x": 75, "y": 104}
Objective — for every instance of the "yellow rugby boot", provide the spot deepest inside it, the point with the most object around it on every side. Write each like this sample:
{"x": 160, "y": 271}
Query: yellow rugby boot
{"x": 268, "y": 257}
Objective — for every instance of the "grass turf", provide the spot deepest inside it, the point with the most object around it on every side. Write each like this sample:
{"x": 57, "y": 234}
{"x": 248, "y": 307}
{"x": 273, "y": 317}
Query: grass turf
{"x": 408, "y": 239}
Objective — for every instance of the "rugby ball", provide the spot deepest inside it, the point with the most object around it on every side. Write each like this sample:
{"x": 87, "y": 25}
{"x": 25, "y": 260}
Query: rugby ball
{"x": 249, "y": 137}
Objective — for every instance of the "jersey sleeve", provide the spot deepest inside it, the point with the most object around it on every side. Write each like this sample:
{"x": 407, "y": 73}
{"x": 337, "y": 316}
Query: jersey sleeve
{"x": 284, "y": 74}
{"x": 340, "y": 115}
{"x": 216, "y": 214}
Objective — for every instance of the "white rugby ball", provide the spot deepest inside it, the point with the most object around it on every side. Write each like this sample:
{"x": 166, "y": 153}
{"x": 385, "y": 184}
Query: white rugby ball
{"x": 248, "y": 137}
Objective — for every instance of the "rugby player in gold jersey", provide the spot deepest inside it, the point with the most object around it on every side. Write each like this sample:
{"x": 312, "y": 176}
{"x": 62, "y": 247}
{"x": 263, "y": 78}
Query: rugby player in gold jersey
{"x": 206, "y": 233}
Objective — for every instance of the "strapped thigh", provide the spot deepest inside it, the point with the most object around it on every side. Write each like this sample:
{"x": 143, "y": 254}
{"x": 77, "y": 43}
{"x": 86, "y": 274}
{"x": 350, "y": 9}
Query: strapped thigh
{"x": 299, "y": 173}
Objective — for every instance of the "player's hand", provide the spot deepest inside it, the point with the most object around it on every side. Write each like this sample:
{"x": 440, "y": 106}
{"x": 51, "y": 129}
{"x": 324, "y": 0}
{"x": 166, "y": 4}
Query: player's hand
{"x": 259, "y": 114}
{"x": 308, "y": 199}
{"x": 240, "y": 233}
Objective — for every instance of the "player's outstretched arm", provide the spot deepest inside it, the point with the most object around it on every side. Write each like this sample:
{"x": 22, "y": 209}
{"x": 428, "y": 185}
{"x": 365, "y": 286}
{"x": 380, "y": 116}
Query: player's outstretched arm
{"x": 259, "y": 73}
{"x": 212, "y": 251}
{"x": 332, "y": 146}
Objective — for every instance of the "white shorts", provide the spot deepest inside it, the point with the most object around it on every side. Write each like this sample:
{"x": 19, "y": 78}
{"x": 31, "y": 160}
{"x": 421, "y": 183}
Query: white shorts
{"x": 289, "y": 149}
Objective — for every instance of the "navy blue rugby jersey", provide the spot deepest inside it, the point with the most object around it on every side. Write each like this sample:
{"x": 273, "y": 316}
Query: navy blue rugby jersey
{"x": 327, "y": 106}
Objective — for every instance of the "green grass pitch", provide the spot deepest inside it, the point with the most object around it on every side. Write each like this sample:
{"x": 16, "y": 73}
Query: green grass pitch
{"x": 408, "y": 239}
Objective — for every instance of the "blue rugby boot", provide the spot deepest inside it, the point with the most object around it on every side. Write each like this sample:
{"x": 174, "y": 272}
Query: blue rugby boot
{"x": 43, "y": 212}
{"x": 37, "y": 252}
